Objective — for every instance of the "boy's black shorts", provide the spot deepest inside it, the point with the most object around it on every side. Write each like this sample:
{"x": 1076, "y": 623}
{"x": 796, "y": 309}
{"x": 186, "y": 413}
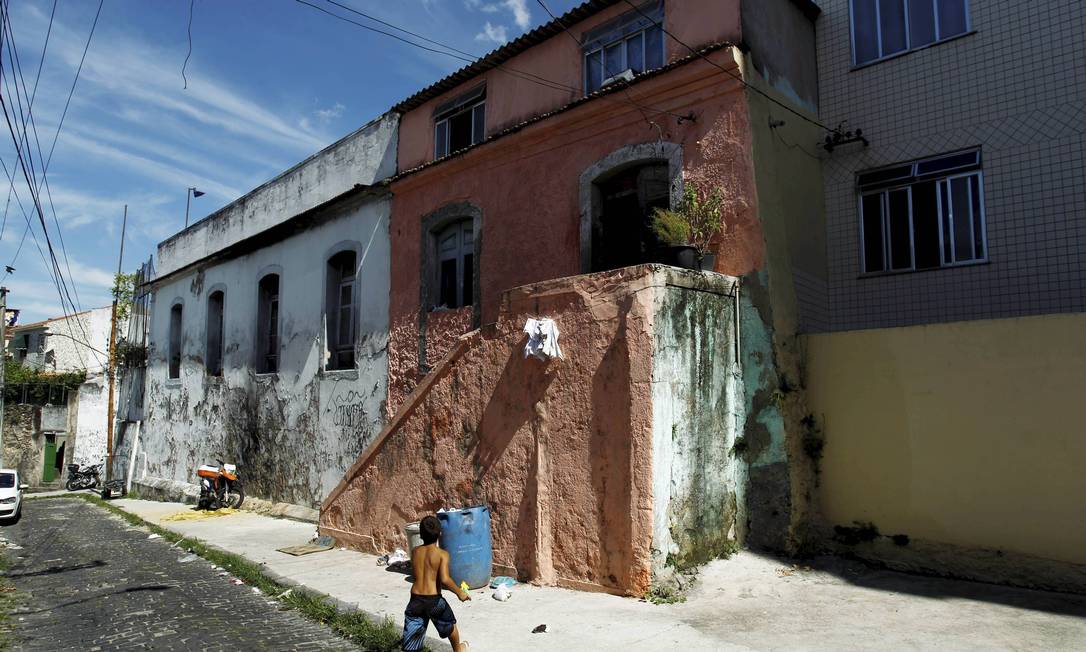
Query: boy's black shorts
{"x": 421, "y": 610}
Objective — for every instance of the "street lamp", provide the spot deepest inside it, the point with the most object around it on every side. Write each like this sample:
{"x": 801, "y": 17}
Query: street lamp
{"x": 189, "y": 194}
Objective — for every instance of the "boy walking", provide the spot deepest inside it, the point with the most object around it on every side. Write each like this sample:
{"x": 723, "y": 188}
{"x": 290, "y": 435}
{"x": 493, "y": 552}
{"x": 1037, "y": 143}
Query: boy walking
{"x": 430, "y": 565}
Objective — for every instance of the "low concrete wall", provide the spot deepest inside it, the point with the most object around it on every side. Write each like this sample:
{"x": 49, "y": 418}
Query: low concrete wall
{"x": 563, "y": 452}
{"x": 697, "y": 401}
{"x": 966, "y": 436}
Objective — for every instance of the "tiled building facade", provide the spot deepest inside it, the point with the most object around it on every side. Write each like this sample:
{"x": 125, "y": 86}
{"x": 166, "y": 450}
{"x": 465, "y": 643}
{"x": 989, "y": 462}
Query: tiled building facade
{"x": 1012, "y": 84}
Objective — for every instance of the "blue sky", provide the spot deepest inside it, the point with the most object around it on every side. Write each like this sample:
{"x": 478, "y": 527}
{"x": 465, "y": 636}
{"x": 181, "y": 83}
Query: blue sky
{"x": 269, "y": 83}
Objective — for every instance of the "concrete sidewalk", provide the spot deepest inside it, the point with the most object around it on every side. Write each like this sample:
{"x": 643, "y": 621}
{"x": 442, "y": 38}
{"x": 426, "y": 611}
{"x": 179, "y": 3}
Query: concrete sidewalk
{"x": 749, "y": 602}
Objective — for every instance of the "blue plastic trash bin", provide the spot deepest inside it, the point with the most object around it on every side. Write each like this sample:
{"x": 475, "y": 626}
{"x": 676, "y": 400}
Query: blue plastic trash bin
{"x": 465, "y": 535}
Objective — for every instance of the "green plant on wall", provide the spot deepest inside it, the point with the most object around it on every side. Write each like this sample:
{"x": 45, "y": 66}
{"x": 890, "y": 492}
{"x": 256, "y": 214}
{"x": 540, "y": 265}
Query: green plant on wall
{"x": 695, "y": 221}
{"x": 25, "y": 384}
{"x": 124, "y": 291}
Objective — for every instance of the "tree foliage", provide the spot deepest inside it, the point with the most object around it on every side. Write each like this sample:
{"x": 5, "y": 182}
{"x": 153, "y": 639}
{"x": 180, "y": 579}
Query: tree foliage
{"x": 124, "y": 292}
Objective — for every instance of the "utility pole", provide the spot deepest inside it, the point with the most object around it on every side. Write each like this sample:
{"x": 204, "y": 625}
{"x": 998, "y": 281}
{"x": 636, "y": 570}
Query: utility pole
{"x": 3, "y": 363}
{"x": 110, "y": 372}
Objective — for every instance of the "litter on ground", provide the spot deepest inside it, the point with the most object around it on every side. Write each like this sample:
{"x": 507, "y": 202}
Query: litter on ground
{"x": 200, "y": 514}
{"x": 187, "y": 558}
{"x": 316, "y": 544}
{"x": 154, "y": 536}
{"x": 502, "y": 593}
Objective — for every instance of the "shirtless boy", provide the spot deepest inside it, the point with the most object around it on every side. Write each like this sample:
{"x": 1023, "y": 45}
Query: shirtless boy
{"x": 430, "y": 565}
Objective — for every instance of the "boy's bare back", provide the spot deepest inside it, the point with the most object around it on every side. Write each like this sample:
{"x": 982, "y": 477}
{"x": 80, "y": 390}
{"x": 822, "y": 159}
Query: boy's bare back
{"x": 430, "y": 565}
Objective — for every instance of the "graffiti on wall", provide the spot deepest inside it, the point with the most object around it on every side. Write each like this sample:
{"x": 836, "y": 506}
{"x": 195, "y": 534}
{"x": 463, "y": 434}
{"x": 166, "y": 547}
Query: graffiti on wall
{"x": 348, "y": 411}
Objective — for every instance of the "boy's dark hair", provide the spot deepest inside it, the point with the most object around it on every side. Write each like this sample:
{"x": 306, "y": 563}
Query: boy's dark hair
{"x": 430, "y": 529}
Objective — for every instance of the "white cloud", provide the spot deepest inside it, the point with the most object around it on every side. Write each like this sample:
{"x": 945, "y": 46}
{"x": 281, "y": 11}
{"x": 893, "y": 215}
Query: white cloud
{"x": 331, "y": 113}
{"x": 519, "y": 8}
{"x": 493, "y": 33}
{"x": 521, "y": 15}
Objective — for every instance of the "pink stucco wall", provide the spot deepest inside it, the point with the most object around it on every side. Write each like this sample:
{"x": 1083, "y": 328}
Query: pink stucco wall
{"x": 527, "y": 187}
{"x": 511, "y": 99}
{"x": 561, "y": 451}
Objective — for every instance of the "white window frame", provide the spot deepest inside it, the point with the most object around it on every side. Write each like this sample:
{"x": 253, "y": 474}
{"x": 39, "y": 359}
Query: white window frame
{"x": 908, "y": 30}
{"x": 608, "y": 75}
{"x": 475, "y": 138}
{"x": 943, "y": 261}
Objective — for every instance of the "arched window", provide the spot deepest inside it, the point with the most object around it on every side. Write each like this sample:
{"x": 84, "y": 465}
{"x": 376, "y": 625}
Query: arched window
{"x": 267, "y": 328}
{"x": 340, "y": 309}
{"x": 213, "y": 358}
{"x": 456, "y": 265}
{"x": 175, "y": 342}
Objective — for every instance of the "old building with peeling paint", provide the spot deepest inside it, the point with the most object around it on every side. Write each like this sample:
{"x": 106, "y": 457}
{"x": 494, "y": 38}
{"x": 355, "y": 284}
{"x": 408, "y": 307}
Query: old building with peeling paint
{"x": 269, "y": 329}
{"x": 662, "y": 440}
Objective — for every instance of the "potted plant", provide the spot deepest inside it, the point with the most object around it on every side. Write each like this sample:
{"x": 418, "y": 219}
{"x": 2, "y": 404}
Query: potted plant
{"x": 688, "y": 229}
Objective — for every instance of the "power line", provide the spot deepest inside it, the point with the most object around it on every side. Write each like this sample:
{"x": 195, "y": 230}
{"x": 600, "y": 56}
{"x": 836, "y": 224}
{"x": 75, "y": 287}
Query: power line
{"x": 33, "y": 95}
{"x": 725, "y": 70}
{"x": 13, "y": 48}
{"x": 192, "y": 5}
{"x": 58, "y": 277}
{"x": 467, "y": 57}
{"x": 603, "y": 63}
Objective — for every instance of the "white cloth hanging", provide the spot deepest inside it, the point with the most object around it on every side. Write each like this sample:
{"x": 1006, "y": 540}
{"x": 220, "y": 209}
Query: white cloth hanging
{"x": 542, "y": 339}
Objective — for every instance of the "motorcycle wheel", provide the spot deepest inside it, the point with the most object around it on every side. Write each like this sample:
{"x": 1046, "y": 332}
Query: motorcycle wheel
{"x": 234, "y": 497}
{"x": 71, "y": 484}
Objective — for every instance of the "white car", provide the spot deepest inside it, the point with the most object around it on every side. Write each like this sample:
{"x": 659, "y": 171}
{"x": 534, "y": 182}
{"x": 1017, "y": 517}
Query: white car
{"x": 11, "y": 495}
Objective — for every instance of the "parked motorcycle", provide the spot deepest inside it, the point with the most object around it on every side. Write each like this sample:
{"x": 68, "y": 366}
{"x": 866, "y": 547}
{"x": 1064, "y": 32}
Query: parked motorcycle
{"x": 220, "y": 486}
{"x": 82, "y": 477}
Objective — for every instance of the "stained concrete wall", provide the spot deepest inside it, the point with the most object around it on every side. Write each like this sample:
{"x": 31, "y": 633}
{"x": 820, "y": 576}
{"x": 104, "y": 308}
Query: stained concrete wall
{"x": 564, "y": 452}
{"x": 294, "y": 433}
{"x": 23, "y": 442}
{"x": 699, "y": 478}
{"x": 363, "y": 157}
{"x": 88, "y": 446}
{"x": 962, "y": 437}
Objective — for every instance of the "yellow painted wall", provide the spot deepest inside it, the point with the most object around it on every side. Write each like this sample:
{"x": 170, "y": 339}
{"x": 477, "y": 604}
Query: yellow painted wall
{"x": 970, "y": 433}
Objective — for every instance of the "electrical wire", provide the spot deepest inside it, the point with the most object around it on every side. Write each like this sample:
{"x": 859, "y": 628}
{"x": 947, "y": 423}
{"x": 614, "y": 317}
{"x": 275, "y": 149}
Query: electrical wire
{"x": 24, "y": 157}
{"x": 603, "y": 62}
{"x": 467, "y": 57}
{"x": 14, "y": 51}
{"x": 33, "y": 95}
{"x": 192, "y": 5}
{"x": 726, "y": 71}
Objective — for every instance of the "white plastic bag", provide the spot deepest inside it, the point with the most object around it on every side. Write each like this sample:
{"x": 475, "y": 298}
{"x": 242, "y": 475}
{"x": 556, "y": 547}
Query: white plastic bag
{"x": 502, "y": 593}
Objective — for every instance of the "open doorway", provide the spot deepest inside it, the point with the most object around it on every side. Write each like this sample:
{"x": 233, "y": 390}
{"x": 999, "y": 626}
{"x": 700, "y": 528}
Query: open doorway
{"x": 622, "y": 233}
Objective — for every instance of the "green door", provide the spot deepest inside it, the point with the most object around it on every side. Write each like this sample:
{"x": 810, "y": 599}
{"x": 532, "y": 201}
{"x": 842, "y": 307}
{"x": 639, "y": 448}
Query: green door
{"x": 50, "y": 470}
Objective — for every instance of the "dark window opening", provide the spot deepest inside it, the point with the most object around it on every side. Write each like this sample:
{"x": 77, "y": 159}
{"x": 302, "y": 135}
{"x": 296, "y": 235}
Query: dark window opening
{"x": 268, "y": 325}
{"x": 456, "y": 265}
{"x": 622, "y": 233}
{"x": 215, "y": 303}
{"x": 919, "y": 216}
{"x": 174, "y": 353}
{"x": 461, "y": 123}
{"x": 633, "y": 41}
{"x": 883, "y": 28}
{"x": 341, "y": 309}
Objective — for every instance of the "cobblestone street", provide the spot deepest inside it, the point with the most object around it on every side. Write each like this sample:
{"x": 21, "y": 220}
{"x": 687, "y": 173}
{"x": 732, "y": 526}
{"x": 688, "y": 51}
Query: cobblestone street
{"x": 87, "y": 580}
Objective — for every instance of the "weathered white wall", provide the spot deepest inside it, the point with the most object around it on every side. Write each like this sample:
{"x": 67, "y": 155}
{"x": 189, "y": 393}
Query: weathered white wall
{"x": 364, "y": 157}
{"x": 77, "y": 342}
{"x": 92, "y": 411}
{"x": 293, "y": 434}
{"x": 697, "y": 400}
